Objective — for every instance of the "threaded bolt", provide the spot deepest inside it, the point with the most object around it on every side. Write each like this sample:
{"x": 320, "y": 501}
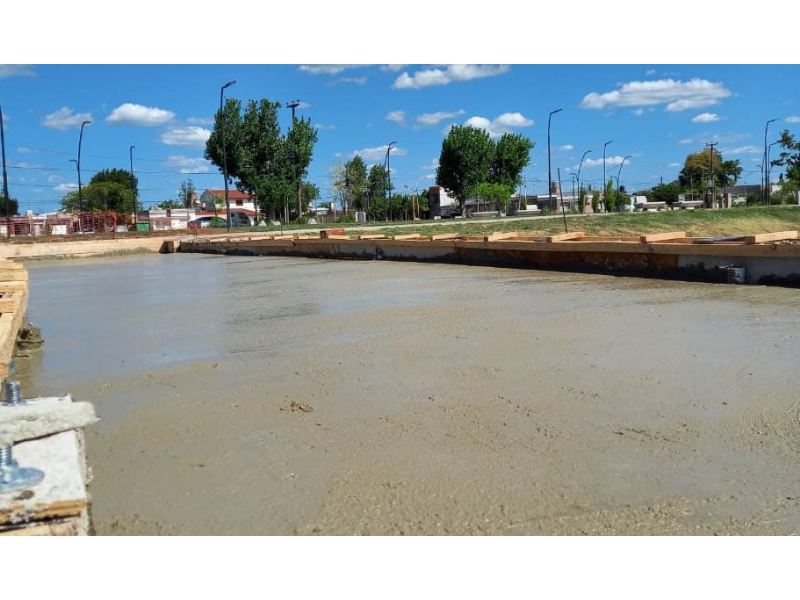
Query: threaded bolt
{"x": 6, "y": 458}
{"x": 12, "y": 393}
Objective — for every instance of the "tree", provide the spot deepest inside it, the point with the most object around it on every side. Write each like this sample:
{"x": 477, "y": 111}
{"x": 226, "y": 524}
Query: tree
{"x": 497, "y": 194}
{"x": 789, "y": 157}
{"x": 186, "y": 194}
{"x": 511, "y": 156}
{"x": 665, "y": 192}
{"x": 596, "y": 201}
{"x": 300, "y": 143}
{"x": 338, "y": 184}
{"x": 120, "y": 176}
{"x": 100, "y": 195}
{"x": 310, "y": 194}
{"x": 228, "y": 124}
{"x": 13, "y": 207}
{"x": 170, "y": 204}
{"x": 376, "y": 183}
{"x": 465, "y": 161}
{"x": 356, "y": 182}
{"x": 610, "y": 196}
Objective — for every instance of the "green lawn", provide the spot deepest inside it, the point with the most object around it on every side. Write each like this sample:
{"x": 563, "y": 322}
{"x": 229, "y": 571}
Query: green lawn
{"x": 696, "y": 223}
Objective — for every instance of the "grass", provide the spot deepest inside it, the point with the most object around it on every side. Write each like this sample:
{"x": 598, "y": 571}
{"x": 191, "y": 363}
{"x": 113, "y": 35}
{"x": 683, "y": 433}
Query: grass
{"x": 696, "y": 223}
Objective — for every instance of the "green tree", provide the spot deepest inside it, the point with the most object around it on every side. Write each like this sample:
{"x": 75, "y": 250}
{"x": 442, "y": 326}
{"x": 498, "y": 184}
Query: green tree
{"x": 496, "y": 193}
{"x": 377, "y": 182}
{"x": 228, "y": 124}
{"x": 356, "y": 182}
{"x": 310, "y": 194}
{"x": 610, "y": 196}
{"x": 186, "y": 194}
{"x": 120, "y": 176}
{"x": 170, "y": 204}
{"x": 596, "y": 201}
{"x": 789, "y": 157}
{"x": 300, "y": 143}
{"x": 664, "y": 192}
{"x": 13, "y": 207}
{"x": 465, "y": 161}
{"x": 100, "y": 195}
{"x": 511, "y": 156}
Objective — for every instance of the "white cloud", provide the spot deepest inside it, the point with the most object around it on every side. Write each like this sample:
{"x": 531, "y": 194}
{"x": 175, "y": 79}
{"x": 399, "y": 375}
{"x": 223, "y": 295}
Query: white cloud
{"x": 356, "y": 80}
{"x": 650, "y": 72}
{"x": 677, "y": 95}
{"x": 566, "y": 148}
{"x": 64, "y": 119}
{"x": 327, "y": 69}
{"x": 139, "y": 116}
{"x": 379, "y": 153}
{"x": 186, "y": 164}
{"x": 24, "y": 165}
{"x": 431, "y": 166}
{"x": 54, "y": 179}
{"x": 66, "y": 187}
{"x": 398, "y": 116}
{"x": 393, "y": 68}
{"x": 705, "y": 118}
{"x": 25, "y": 150}
{"x": 792, "y": 119}
{"x": 16, "y": 71}
{"x": 303, "y": 105}
{"x": 500, "y": 125}
{"x": 191, "y": 137}
{"x": 200, "y": 121}
{"x": 638, "y": 112}
{"x": 428, "y": 119}
{"x": 674, "y": 165}
{"x": 611, "y": 161}
{"x": 322, "y": 127}
{"x": 686, "y": 141}
{"x": 452, "y": 73}
{"x": 745, "y": 150}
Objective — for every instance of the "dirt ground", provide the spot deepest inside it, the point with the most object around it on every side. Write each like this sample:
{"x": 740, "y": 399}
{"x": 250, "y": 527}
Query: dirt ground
{"x": 278, "y": 396}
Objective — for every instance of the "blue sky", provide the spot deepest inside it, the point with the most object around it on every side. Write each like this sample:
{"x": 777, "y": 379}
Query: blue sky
{"x": 655, "y": 114}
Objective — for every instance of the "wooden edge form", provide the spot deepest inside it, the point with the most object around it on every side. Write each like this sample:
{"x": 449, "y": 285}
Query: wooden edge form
{"x": 326, "y": 233}
{"x": 373, "y": 237}
{"x": 770, "y": 237}
{"x": 446, "y": 236}
{"x": 565, "y": 237}
{"x": 501, "y": 236}
{"x": 410, "y": 236}
{"x": 661, "y": 237}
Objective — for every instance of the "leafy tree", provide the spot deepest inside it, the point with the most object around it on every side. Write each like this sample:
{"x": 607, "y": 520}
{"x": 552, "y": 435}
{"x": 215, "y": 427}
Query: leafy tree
{"x": 120, "y": 176}
{"x": 13, "y": 207}
{"x": 465, "y": 161}
{"x": 338, "y": 184}
{"x": 496, "y": 193}
{"x": 789, "y": 157}
{"x": 610, "y": 196}
{"x": 170, "y": 204}
{"x": 582, "y": 193}
{"x": 356, "y": 182}
{"x": 665, "y": 192}
{"x": 511, "y": 156}
{"x": 377, "y": 183}
{"x": 697, "y": 171}
{"x": 186, "y": 194}
{"x": 310, "y": 194}
{"x": 596, "y": 201}
{"x": 100, "y": 195}
{"x": 228, "y": 124}
{"x": 300, "y": 143}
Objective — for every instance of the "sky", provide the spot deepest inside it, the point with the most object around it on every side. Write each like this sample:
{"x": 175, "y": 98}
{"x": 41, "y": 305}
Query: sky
{"x": 653, "y": 114}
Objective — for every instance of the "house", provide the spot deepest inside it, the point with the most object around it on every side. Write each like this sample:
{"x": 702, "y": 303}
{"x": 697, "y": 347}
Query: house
{"x": 214, "y": 197}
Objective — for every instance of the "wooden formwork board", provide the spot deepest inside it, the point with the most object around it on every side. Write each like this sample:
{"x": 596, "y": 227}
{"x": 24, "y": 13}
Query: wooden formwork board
{"x": 662, "y": 237}
{"x": 565, "y": 237}
{"x": 770, "y": 237}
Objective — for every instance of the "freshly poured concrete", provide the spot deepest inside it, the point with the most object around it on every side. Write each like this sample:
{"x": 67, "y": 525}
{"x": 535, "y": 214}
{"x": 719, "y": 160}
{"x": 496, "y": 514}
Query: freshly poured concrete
{"x": 280, "y": 395}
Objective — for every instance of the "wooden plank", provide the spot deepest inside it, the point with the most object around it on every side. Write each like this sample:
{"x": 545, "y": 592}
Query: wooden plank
{"x": 410, "y": 236}
{"x": 501, "y": 236}
{"x": 326, "y": 233}
{"x": 661, "y": 237}
{"x": 565, "y": 237}
{"x": 61, "y": 494}
{"x": 373, "y": 237}
{"x": 337, "y": 237}
{"x": 10, "y": 301}
{"x": 770, "y": 237}
{"x": 446, "y": 236}
{"x": 13, "y": 275}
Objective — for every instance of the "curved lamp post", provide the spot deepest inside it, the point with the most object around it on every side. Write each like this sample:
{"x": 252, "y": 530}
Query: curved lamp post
{"x": 765, "y": 174}
{"x": 5, "y": 176}
{"x": 224, "y": 158}
{"x": 580, "y": 166}
{"x": 619, "y": 174}
{"x": 78, "y": 164}
{"x": 549, "y": 173}
{"x": 604, "y": 170}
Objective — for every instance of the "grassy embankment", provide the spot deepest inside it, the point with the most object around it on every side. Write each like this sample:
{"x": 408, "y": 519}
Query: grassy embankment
{"x": 696, "y": 223}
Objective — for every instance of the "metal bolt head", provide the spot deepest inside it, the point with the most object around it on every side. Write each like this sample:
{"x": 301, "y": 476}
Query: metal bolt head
{"x": 16, "y": 478}
{"x": 13, "y": 396}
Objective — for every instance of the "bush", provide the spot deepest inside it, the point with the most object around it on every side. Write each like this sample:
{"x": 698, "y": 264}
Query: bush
{"x": 348, "y": 218}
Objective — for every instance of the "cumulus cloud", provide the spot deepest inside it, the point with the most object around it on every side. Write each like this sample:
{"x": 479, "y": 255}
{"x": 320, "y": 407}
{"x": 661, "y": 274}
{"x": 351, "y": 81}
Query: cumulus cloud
{"x": 191, "y": 137}
{"x": 63, "y": 188}
{"x": 792, "y": 119}
{"x": 505, "y": 123}
{"x": 431, "y": 166}
{"x": 356, "y": 80}
{"x": 674, "y": 165}
{"x": 676, "y": 95}
{"x": 139, "y": 116}
{"x": 428, "y": 119}
{"x": 393, "y": 68}
{"x": 638, "y": 112}
{"x": 566, "y": 148}
{"x": 200, "y": 121}
{"x": 379, "y": 153}
{"x": 686, "y": 141}
{"x": 187, "y": 164}
{"x": 705, "y": 118}
{"x": 450, "y": 74}
{"x": 611, "y": 161}
{"x": 64, "y": 119}
{"x": 398, "y": 116}
{"x": 16, "y": 71}
{"x": 745, "y": 150}
{"x": 327, "y": 69}
{"x": 650, "y": 72}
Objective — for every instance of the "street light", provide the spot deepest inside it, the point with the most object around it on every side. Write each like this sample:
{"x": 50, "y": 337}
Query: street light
{"x": 769, "y": 165}
{"x": 765, "y": 175}
{"x": 549, "y": 174}
{"x": 80, "y": 188}
{"x": 388, "y": 171}
{"x": 580, "y": 166}
{"x": 619, "y": 174}
{"x": 133, "y": 189}
{"x": 5, "y": 177}
{"x": 224, "y": 158}
{"x": 604, "y": 170}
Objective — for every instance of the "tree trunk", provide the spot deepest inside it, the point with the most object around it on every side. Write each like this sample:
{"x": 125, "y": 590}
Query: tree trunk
{"x": 299, "y": 199}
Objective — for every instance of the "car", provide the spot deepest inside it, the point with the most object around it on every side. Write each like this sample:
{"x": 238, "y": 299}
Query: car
{"x": 205, "y": 222}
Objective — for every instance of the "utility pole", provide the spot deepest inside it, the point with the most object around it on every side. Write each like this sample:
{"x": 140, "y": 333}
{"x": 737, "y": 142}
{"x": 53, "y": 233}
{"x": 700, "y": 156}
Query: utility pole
{"x": 604, "y": 172}
{"x": 133, "y": 186}
{"x": 293, "y": 105}
{"x": 549, "y": 174}
{"x": 765, "y": 174}
{"x": 224, "y": 158}
{"x": 561, "y": 191}
{"x": 713, "y": 188}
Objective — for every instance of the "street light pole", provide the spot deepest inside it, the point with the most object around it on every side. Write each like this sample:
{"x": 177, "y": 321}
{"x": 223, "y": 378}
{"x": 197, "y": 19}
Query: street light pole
{"x": 5, "y": 177}
{"x": 769, "y": 166}
{"x": 80, "y": 187}
{"x": 580, "y": 166}
{"x": 133, "y": 186}
{"x": 549, "y": 173}
{"x": 604, "y": 171}
{"x": 619, "y": 174}
{"x": 224, "y": 157}
{"x": 765, "y": 193}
